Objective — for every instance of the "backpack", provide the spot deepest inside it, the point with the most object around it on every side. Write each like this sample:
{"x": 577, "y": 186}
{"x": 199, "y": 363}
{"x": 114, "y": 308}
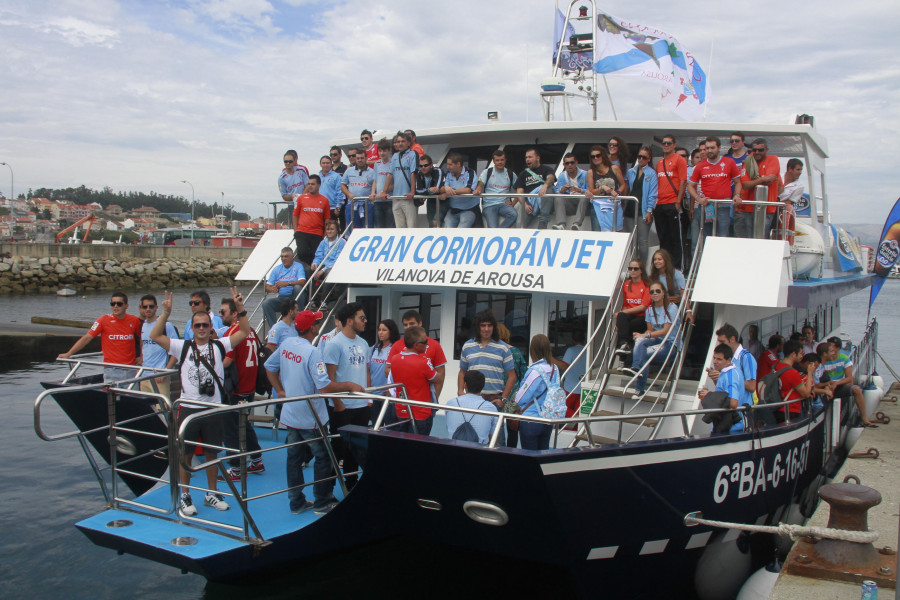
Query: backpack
{"x": 554, "y": 404}
{"x": 768, "y": 389}
{"x": 263, "y": 385}
{"x": 466, "y": 432}
{"x": 490, "y": 172}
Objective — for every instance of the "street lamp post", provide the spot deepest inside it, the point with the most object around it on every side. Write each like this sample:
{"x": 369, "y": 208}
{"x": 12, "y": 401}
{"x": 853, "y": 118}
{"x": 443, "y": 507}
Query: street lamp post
{"x": 193, "y": 224}
{"x": 265, "y": 210}
{"x": 12, "y": 193}
{"x": 223, "y": 207}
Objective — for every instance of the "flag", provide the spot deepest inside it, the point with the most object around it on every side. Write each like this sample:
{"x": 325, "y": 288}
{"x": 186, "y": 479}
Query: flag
{"x": 887, "y": 252}
{"x": 569, "y": 61}
{"x": 633, "y": 50}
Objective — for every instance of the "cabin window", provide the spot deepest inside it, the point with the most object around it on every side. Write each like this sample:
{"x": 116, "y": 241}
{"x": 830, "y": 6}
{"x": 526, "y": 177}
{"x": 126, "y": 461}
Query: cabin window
{"x": 564, "y": 319}
{"x": 427, "y": 305}
{"x": 768, "y": 328}
{"x": 513, "y": 310}
{"x": 474, "y": 157}
{"x": 372, "y": 308}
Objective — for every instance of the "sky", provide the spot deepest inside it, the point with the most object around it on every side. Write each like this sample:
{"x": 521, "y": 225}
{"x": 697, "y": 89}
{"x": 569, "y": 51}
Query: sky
{"x": 139, "y": 96}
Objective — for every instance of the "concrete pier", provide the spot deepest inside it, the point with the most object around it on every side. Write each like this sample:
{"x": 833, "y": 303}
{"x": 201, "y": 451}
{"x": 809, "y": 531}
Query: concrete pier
{"x": 881, "y": 474}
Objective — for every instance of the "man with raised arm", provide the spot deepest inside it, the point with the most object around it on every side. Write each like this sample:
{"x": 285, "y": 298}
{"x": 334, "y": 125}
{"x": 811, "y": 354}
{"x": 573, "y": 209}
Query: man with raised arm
{"x": 297, "y": 369}
{"x": 536, "y": 179}
{"x": 498, "y": 211}
{"x": 293, "y": 178}
{"x": 719, "y": 179}
{"x": 120, "y": 339}
{"x": 202, "y": 377}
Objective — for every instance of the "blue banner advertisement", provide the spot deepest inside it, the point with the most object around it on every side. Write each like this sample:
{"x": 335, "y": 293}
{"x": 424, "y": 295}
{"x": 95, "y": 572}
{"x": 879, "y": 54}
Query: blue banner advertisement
{"x": 887, "y": 252}
{"x": 802, "y": 207}
{"x": 847, "y": 251}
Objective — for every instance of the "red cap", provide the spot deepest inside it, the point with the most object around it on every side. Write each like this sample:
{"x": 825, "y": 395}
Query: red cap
{"x": 306, "y": 319}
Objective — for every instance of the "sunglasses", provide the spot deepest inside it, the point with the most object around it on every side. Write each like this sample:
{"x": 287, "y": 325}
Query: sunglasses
{"x": 201, "y": 325}
{"x": 634, "y": 268}
{"x": 570, "y": 162}
{"x": 195, "y": 302}
{"x": 759, "y": 149}
{"x": 736, "y": 141}
{"x": 613, "y": 144}
{"x": 117, "y": 303}
{"x": 222, "y": 311}
{"x": 148, "y": 306}
{"x": 424, "y": 164}
{"x": 643, "y": 157}
{"x": 596, "y": 155}
{"x": 287, "y": 162}
{"x": 668, "y": 143}
{"x": 334, "y": 154}
{"x": 656, "y": 291}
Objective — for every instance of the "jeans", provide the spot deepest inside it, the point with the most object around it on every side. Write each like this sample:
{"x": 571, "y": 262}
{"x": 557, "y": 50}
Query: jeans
{"x": 118, "y": 374}
{"x": 272, "y": 306}
{"x": 743, "y": 224}
{"x": 724, "y": 221}
{"x": 348, "y": 416}
{"x": 368, "y": 217}
{"x": 431, "y": 209}
{"x": 642, "y": 231}
{"x": 648, "y": 350}
{"x": 462, "y": 219}
{"x": 232, "y": 434}
{"x": 323, "y": 488}
{"x": 699, "y": 223}
{"x": 384, "y": 214}
{"x": 534, "y": 436}
{"x": 499, "y": 215}
{"x": 547, "y": 209}
{"x": 423, "y": 426}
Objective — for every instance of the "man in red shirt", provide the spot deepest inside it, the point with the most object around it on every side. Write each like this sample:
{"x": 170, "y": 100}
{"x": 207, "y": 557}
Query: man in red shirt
{"x": 369, "y": 147}
{"x": 413, "y": 369}
{"x": 770, "y": 176}
{"x": 769, "y": 358}
{"x": 672, "y": 172}
{"x": 433, "y": 350}
{"x": 310, "y": 213}
{"x": 793, "y": 385}
{"x": 245, "y": 358}
{"x": 120, "y": 339}
{"x": 719, "y": 179}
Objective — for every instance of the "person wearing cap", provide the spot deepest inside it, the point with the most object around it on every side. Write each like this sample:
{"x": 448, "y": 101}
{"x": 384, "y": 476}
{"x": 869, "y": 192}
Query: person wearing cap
{"x": 296, "y": 368}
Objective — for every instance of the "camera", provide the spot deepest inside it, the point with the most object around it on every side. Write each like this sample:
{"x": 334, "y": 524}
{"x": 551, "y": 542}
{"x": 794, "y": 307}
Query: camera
{"x": 207, "y": 388}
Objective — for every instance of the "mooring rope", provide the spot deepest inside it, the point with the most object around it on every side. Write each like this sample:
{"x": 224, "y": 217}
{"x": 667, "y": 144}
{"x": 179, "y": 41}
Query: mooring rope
{"x": 792, "y": 531}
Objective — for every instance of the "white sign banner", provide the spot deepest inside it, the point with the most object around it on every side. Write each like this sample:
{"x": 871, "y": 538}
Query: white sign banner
{"x": 562, "y": 262}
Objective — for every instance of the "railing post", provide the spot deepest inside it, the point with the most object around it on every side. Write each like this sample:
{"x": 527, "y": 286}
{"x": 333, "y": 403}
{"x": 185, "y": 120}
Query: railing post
{"x": 113, "y": 445}
{"x": 242, "y": 446}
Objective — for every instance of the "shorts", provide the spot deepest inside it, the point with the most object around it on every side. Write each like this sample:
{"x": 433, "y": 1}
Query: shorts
{"x": 843, "y": 391}
{"x": 209, "y": 430}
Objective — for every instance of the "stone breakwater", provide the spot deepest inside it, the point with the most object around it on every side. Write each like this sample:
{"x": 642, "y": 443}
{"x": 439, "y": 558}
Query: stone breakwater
{"x": 24, "y": 274}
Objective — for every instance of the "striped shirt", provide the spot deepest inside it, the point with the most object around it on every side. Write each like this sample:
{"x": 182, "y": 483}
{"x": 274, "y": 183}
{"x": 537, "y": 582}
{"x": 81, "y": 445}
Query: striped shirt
{"x": 493, "y": 360}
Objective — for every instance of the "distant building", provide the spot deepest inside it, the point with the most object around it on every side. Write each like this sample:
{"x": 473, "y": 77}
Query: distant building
{"x": 114, "y": 210}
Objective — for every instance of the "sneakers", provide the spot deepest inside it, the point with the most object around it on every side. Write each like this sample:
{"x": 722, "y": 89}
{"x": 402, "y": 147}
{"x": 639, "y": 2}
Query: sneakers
{"x": 256, "y": 467}
{"x": 217, "y": 501}
{"x": 576, "y": 227}
{"x": 303, "y": 508}
{"x": 187, "y": 505}
{"x": 629, "y": 371}
{"x": 623, "y": 349}
{"x": 324, "y": 510}
{"x": 232, "y": 474}
{"x": 558, "y": 226}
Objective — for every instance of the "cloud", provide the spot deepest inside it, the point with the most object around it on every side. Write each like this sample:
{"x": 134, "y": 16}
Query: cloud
{"x": 138, "y": 96}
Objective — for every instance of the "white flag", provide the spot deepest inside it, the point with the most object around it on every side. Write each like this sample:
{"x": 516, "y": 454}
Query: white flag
{"x": 635, "y": 50}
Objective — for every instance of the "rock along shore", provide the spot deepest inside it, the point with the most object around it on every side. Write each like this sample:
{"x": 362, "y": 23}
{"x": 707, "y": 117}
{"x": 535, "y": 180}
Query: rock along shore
{"x": 25, "y": 274}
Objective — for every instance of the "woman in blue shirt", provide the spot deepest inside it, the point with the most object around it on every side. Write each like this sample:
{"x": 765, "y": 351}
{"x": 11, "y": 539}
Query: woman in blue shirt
{"x": 535, "y": 436}
{"x": 663, "y": 271}
{"x": 649, "y": 347}
{"x": 387, "y": 333}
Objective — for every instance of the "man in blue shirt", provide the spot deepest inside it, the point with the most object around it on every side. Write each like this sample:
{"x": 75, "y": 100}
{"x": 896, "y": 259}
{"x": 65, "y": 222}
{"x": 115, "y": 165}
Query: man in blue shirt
{"x": 384, "y": 216}
{"x": 153, "y": 354}
{"x": 347, "y": 361}
{"x": 294, "y": 177}
{"x": 485, "y": 352}
{"x": 404, "y": 167}
{"x": 357, "y": 183}
{"x": 482, "y": 424}
{"x": 297, "y": 369}
{"x": 728, "y": 380}
{"x": 571, "y": 181}
{"x": 200, "y": 303}
{"x": 284, "y": 328}
{"x": 459, "y": 180}
{"x": 285, "y": 281}
{"x": 331, "y": 188}
{"x": 498, "y": 211}
{"x": 429, "y": 182}
{"x": 742, "y": 359}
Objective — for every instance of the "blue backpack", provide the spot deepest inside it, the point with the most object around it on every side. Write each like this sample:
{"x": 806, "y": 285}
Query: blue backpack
{"x": 554, "y": 404}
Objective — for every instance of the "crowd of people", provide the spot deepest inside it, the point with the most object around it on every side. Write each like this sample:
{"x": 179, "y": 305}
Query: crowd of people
{"x": 680, "y": 194}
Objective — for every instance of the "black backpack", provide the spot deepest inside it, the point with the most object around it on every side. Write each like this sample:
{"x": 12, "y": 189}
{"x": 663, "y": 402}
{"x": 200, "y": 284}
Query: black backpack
{"x": 768, "y": 389}
{"x": 466, "y": 432}
{"x": 263, "y": 385}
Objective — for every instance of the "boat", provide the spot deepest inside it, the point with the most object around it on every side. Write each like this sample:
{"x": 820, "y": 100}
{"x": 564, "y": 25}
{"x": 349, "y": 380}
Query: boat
{"x": 610, "y": 502}
{"x": 66, "y": 292}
